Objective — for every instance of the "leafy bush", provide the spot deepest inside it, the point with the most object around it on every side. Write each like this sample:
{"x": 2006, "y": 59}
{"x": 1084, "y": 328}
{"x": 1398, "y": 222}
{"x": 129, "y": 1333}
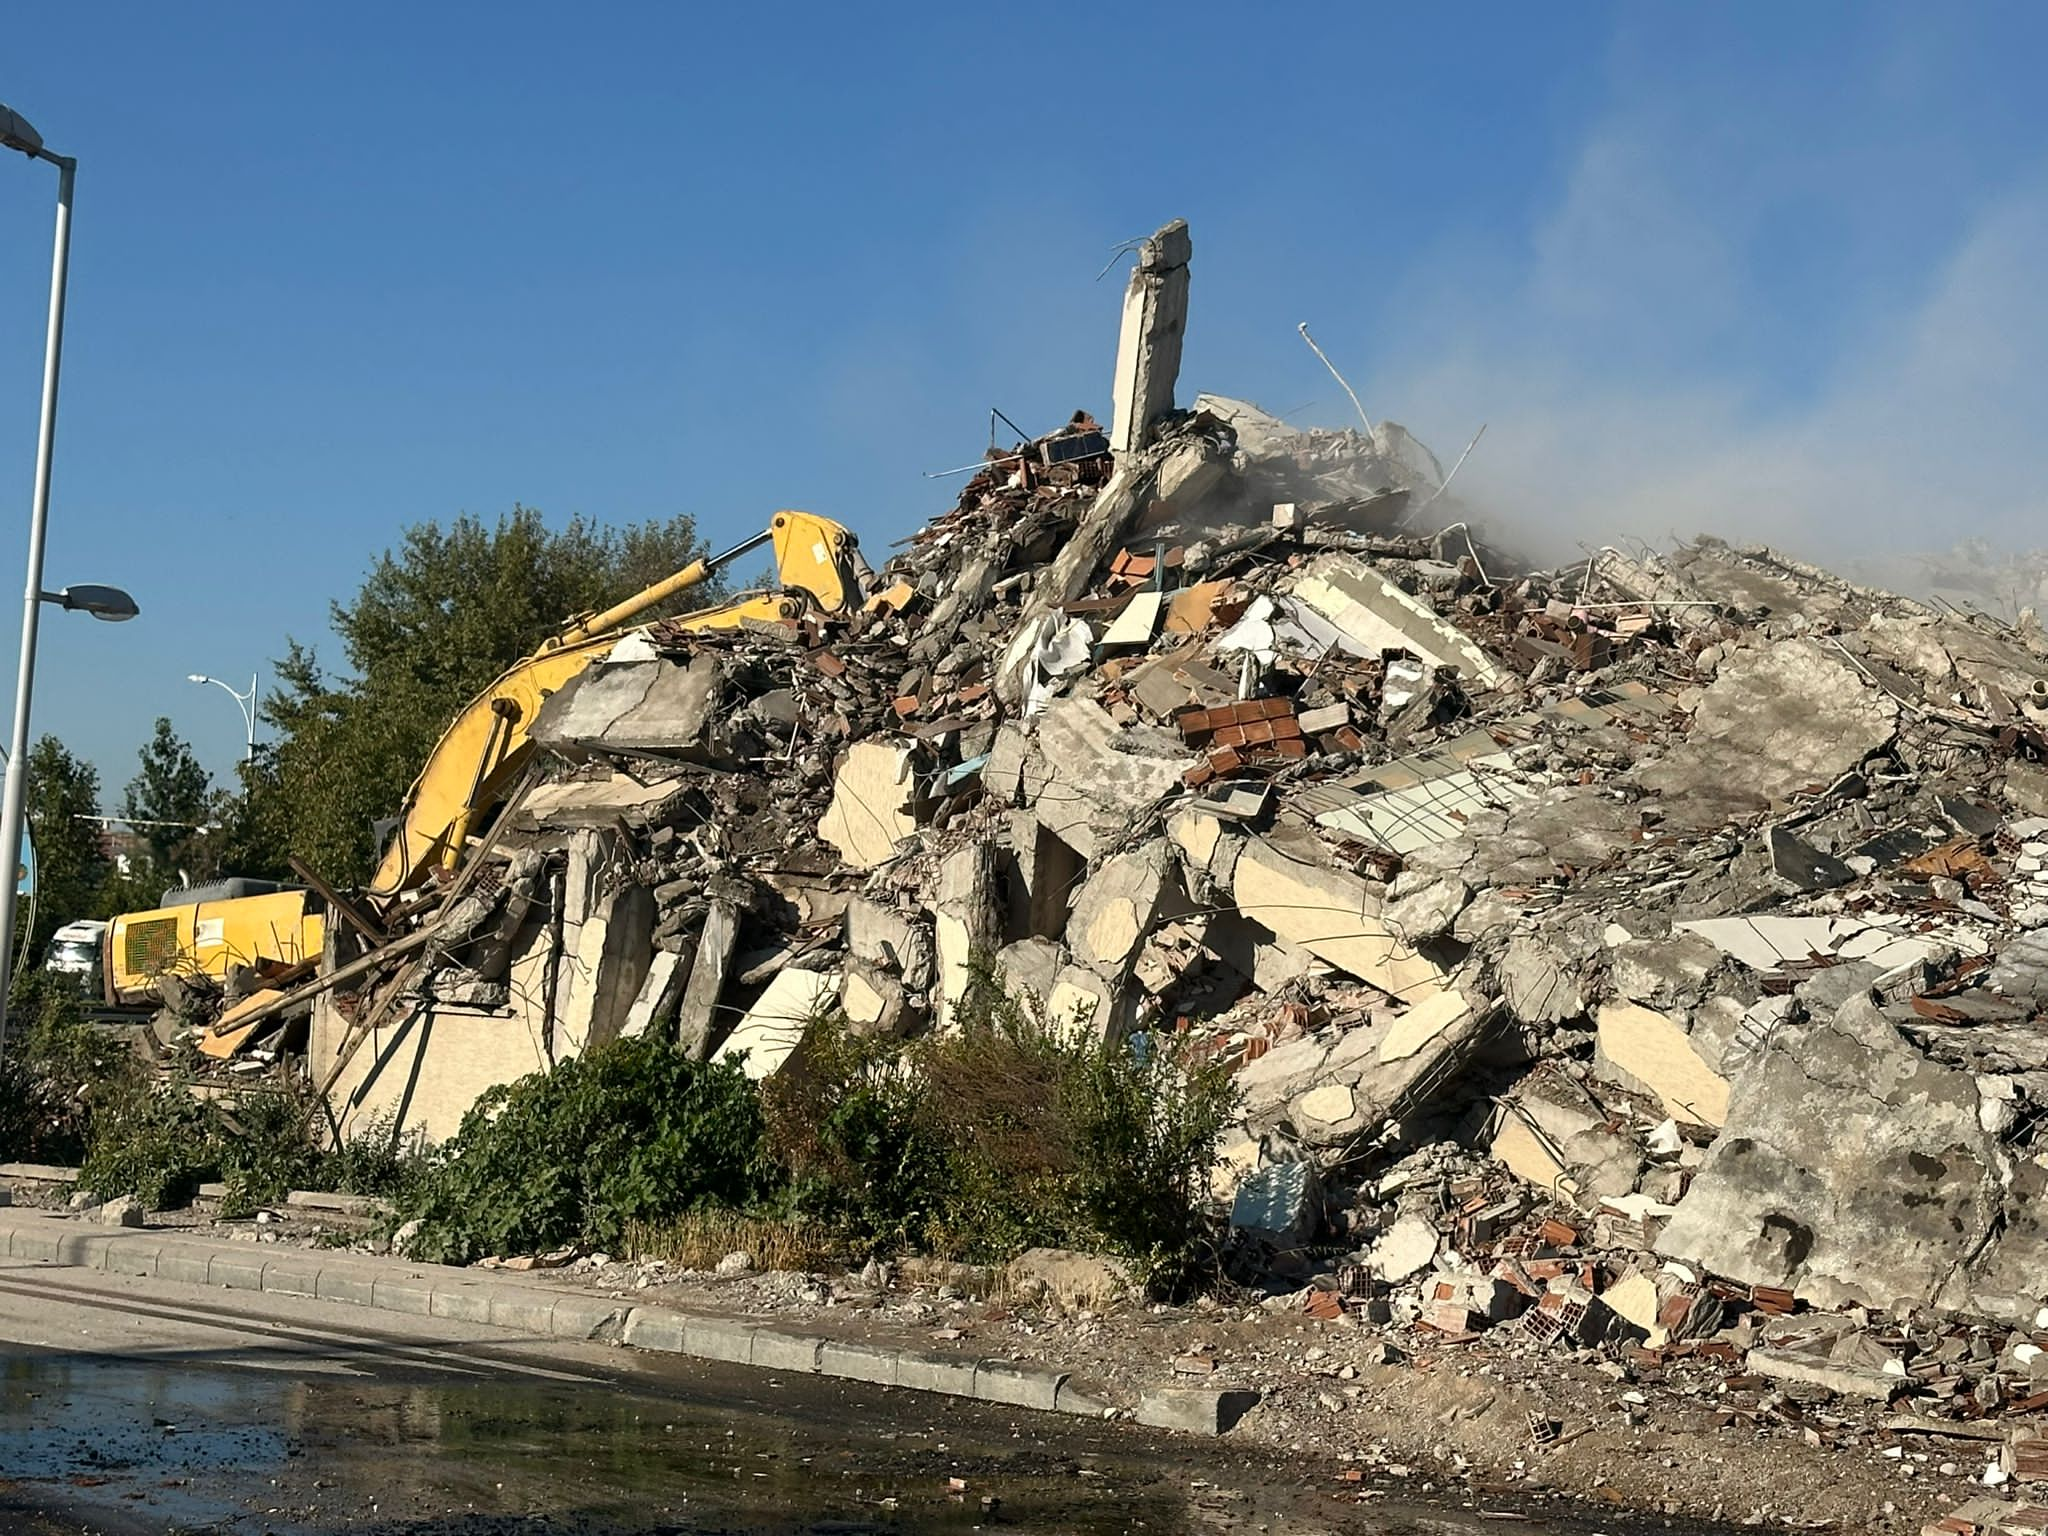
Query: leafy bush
{"x": 847, "y": 1124}
{"x": 55, "y": 1076}
{"x": 160, "y": 1142}
{"x": 631, "y": 1132}
{"x": 1010, "y": 1132}
{"x": 156, "y": 1142}
{"x": 375, "y": 1160}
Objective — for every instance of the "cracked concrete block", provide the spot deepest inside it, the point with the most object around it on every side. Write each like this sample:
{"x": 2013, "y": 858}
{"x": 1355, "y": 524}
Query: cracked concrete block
{"x": 1537, "y": 987}
{"x": 1092, "y": 778}
{"x": 873, "y": 1001}
{"x": 1843, "y": 1380}
{"x": 1044, "y": 873}
{"x": 697, "y": 1014}
{"x": 1002, "y": 776}
{"x": 1196, "y": 834}
{"x": 1644, "y": 1050}
{"x": 1422, "y": 905}
{"x": 870, "y": 812}
{"x": 1424, "y": 1024}
{"x": 923, "y": 1371}
{"x": 1018, "y": 1386}
{"x": 1117, "y": 906}
{"x": 780, "y": 1018}
{"x": 1031, "y": 966}
{"x": 614, "y": 947}
{"x": 1195, "y": 1410}
{"x": 967, "y": 920}
{"x": 1852, "y": 1169}
{"x": 657, "y": 707}
{"x": 1333, "y": 915}
{"x": 886, "y": 937}
{"x": 1081, "y": 1002}
{"x": 1661, "y": 973}
{"x": 1330, "y": 1106}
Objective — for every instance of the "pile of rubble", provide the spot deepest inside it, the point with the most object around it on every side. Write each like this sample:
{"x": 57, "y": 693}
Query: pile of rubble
{"x": 1705, "y": 893}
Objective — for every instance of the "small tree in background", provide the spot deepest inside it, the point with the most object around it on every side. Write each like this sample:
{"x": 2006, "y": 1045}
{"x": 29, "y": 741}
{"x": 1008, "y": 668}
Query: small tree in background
{"x": 171, "y": 804}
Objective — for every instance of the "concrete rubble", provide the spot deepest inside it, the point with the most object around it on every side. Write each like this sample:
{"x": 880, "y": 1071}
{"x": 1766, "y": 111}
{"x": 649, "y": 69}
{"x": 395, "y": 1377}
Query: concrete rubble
{"x": 1648, "y": 954}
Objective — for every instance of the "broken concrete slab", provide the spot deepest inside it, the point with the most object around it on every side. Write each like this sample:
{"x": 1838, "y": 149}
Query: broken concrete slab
{"x": 1334, "y": 916}
{"x": 1091, "y": 777}
{"x": 1843, "y": 1380}
{"x": 1118, "y": 904}
{"x": 775, "y": 1026}
{"x": 1644, "y": 1050}
{"x": 1522, "y": 1147}
{"x": 639, "y": 802}
{"x": 657, "y": 707}
{"x": 1379, "y": 616}
{"x": 1775, "y": 720}
{"x": 1424, "y": 1024}
{"x": 870, "y": 810}
{"x": 661, "y": 992}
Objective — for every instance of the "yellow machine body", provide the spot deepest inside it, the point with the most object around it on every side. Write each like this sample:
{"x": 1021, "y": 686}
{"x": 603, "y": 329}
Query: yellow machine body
{"x": 205, "y": 938}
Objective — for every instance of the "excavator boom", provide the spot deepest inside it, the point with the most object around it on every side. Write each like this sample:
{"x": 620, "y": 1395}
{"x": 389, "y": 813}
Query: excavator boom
{"x": 488, "y": 744}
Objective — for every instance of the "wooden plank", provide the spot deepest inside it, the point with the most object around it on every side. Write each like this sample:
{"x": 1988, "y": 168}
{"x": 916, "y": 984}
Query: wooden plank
{"x": 354, "y": 915}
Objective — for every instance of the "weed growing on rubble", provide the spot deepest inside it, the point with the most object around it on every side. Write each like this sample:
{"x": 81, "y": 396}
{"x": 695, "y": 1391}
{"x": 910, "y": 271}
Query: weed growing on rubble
{"x": 1060, "y": 1137}
{"x": 631, "y": 1132}
{"x": 1008, "y": 1132}
{"x": 847, "y": 1123}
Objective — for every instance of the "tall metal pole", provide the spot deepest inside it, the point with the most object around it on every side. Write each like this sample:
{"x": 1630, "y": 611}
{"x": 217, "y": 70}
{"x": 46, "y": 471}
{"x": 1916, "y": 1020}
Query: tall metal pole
{"x": 249, "y": 715}
{"x": 16, "y": 789}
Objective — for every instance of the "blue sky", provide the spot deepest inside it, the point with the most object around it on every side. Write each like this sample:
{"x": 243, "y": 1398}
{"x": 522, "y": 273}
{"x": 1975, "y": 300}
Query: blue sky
{"x": 1766, "y": 270}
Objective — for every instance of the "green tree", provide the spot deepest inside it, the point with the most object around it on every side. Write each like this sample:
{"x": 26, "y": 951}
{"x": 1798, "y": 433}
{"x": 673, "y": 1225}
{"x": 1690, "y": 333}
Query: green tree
{"x": 171, "y": 803}
{"x": 435, "y": 622}
{"x": 70, "y": 867}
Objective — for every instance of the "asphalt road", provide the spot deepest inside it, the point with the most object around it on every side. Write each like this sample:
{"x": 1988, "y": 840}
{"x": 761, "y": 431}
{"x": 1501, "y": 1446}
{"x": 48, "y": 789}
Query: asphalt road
{"x": 133, "y": 1406}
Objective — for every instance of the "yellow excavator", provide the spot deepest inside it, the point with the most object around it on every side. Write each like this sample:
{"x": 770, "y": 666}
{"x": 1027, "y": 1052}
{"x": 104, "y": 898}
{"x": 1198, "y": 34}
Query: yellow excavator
{"x": 487, "y": 746}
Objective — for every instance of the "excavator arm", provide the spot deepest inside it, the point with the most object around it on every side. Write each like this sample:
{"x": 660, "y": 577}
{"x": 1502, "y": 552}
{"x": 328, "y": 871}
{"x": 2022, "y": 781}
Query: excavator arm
{"x": 488, "y": 744}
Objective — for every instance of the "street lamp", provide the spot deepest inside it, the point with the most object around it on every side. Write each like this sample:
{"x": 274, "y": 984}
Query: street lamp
{"x": 16, "y": 134}
{"x": 246, "y": 702}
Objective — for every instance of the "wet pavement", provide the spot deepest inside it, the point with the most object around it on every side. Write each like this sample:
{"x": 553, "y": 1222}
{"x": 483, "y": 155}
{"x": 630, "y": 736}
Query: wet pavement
{"x": 126, "y": 1410}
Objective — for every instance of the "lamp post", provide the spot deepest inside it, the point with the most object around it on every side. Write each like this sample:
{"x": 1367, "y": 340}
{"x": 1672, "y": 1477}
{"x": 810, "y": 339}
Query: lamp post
{"x": 245, "y": 702}
{"x": 101, "y": 602}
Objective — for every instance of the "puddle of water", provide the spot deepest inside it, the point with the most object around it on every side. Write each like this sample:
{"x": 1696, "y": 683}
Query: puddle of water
{"x": 182, "y": 1445}
{"x": 197, "y": 1448}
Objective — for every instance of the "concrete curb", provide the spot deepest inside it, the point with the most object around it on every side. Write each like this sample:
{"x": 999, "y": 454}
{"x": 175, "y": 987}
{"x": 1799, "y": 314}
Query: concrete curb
{"x": 464, "y": 1295}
